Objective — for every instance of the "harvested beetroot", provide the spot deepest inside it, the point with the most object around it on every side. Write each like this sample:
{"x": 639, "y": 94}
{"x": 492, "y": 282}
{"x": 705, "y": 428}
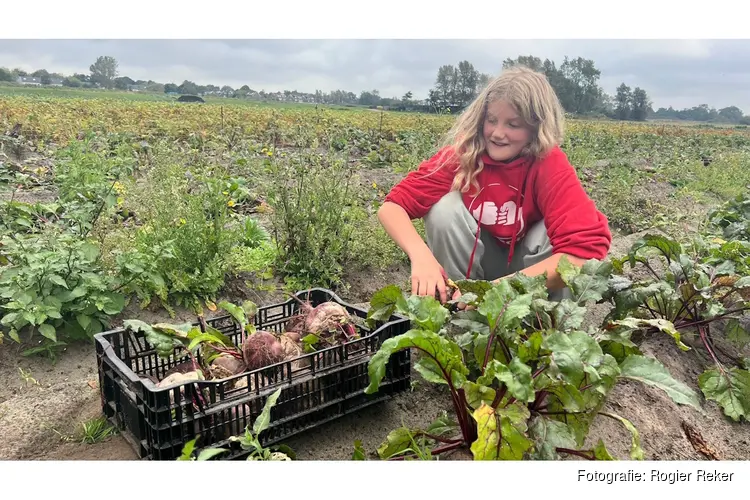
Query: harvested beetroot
{"x": 184, "y": 367}
{"x": 178, "y": 378}
{"x": 329, "y": 321}
{"x": 262, "y": 349}
{"x": 226, "y": 366}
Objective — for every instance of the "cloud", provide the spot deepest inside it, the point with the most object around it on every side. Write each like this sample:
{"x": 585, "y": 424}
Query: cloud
{"x": 681, "y": 73}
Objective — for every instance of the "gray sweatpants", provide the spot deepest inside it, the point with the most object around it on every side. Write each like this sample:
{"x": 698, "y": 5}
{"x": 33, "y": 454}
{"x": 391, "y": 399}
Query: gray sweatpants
{"x": 451, "y": 231}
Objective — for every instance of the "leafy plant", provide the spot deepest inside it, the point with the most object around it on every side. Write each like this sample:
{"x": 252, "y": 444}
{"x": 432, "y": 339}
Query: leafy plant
{"x": 311, "y": 196}
{"x": 248, "y": 441}
{"x": 525, "y": 379}
{"x": 682, "y": 292}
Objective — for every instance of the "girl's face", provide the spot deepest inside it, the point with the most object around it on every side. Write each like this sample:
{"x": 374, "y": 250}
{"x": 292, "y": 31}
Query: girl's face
{"x": 505, "y": 133}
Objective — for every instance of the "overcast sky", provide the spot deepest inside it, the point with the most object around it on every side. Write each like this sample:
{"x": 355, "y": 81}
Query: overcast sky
{"x": 680, "y": 73}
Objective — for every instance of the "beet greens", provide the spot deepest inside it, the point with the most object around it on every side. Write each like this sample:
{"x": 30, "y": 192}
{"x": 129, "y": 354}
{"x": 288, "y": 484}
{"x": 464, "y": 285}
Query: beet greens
{"x": 525, "y": 379}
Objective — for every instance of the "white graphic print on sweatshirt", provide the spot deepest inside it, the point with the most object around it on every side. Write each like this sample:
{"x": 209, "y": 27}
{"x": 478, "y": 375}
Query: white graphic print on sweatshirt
{"x": 491, "y": 215}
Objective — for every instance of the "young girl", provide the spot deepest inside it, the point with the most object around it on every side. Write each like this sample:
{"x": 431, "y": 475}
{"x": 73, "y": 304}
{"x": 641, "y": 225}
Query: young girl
{"x": 500, "y": 197}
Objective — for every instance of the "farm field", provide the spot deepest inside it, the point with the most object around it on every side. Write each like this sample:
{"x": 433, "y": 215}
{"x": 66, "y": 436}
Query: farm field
{"x": 116, "y": 209}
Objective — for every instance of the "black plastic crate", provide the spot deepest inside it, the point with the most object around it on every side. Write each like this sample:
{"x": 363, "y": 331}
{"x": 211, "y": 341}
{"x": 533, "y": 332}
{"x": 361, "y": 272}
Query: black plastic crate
{"x": 316, "y": 387}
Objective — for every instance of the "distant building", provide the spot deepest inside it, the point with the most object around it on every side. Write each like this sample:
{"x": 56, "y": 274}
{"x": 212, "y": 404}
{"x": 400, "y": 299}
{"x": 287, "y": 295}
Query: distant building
{"x": 29, "y": 80}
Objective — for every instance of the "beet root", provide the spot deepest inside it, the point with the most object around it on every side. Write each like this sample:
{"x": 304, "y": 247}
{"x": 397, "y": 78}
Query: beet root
{"x": 226, "y": 366}
{"x": 330, "y": 321}
{"x": 293, "y": 350}
{"x": 262, "y": 349}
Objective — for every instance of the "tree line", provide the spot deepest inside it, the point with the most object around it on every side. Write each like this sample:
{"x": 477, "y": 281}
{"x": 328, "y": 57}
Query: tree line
{"x": 575, "y": 81}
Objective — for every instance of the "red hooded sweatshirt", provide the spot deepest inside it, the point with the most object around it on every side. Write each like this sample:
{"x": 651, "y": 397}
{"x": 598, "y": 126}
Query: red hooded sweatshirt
{"x": 512, "y": 197}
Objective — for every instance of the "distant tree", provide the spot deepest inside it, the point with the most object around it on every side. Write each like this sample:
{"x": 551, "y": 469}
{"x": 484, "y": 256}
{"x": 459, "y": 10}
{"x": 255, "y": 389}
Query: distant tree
{"x": 583, "y": 91}
{"x": 104, "y": 71}
{"x": 187, "y": 87}
{"x": 640, "y": 105}
{"x": 576, "y": 81}
{"x": 124, "y": 82}
{"x": 623, "y": 102}
{"x": 43, "y": 75}
{"x": 483, "y": 81}
{"x": 72, "y": 81}
{"x": 467, "y": 81}
{"x": 19, "y": 72}
{"x": 531, "y": 62}
{"x": 369, "y": 98}
{"x": 6, "y": 75}
{"x": 732, "y": 114}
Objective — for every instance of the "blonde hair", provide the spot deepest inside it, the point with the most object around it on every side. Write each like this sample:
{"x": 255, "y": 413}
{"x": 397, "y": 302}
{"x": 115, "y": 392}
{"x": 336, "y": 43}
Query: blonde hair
{"x": 531, "y": 95}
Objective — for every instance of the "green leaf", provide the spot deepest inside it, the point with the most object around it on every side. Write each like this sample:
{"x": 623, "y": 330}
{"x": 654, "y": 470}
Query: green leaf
{"x": 187, "y": 450}
{"x": 83, "y": 320}
{"x": 660, "y": 324}
{"x": 264, "y": 419}
{"x": 529, "y": 349}
{"x": 471, "y": 326}
{"x": 477, "y": 394}
{"x": 9, "y": 318}
{"x": 179, "y": 331}
{"x": 601, "y": 452}
{"x": 48, "y": 331}
{"x": 69, "y": 296}
{"x": 425, "y": 312}
{"x": 359, "y": 451}
{"x": 736, "y": 334}
{"x": 730, "y": 389}
{"x": 205, "y": 337}
{"x": 548, "y": 435}
{"x": 383, "y": 304}
{"x": 250, "y": 308}
{"x": 115, "y": 304}
{"x": 446, "y": 353}
{"x": 90, "y": 251}
{"x": 568, "y": 315}
{"x": 442, "y": 426}
{"x": 669, "y": 248}
{"x": 516, "y": 376}
{"x": 502, "y": 306}
{"x": 534, "y": 285}
{"x": 570, "y": 355}
{"x": 588, "y": 283}
{"x": 636, "y": 452}
{"x": 651, "y": 372}
{"x": 477, "y": 287}
{"x": 397, "y": 442}
{"x": 164, "y": 344}
{"x": 501, "y": 434}
{"x": 210, "y": 453}
{"x": 235, "y": 311}
{"x": 58, "y": 280}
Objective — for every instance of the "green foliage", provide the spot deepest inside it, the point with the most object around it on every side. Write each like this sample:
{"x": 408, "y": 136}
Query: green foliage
{"x": 312, "y": 227}
{"x": 524, "y": 379}
{"x": 685, "y": 289}
{"x": 185, "y": 238}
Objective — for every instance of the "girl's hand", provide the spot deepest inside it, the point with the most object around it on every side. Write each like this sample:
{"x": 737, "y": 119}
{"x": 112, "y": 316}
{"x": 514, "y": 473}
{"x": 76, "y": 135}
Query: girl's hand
{"x": 427, "y": 275}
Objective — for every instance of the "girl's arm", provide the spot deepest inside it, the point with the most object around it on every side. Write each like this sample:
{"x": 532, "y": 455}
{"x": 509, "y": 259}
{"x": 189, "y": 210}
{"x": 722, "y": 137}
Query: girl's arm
{"x": 549, "y": 265}
{"x": 399, "y": 227}
{"x": 426, "y": 271}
